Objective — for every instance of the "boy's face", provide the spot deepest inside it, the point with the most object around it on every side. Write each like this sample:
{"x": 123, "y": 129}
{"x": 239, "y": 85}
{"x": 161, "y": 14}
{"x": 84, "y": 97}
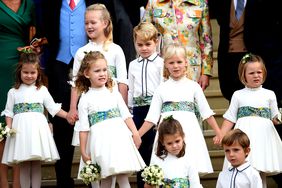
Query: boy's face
{"x": 145, "y": 48}
{"x": 235, "y": 154}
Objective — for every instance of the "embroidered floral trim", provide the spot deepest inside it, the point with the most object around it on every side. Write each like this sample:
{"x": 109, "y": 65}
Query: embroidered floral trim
{"x": 28, "y": 107}
{"x": 142, "y": 101}
{"x": 251, "y": 111}
{"x": 113, "y": 71}
{"x": 176, "y": 183}
{"x": 103, "y": 115}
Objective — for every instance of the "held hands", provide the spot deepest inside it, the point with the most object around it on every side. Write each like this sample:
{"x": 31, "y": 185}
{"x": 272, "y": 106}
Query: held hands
{"x": 72, "y": 116}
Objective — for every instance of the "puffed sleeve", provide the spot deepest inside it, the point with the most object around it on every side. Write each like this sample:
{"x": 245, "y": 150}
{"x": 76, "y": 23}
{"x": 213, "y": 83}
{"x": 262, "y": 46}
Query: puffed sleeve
{"x": 9, "y": 104}
{"x": 49, "y": 103}
{"x": 120, "y": 66}
{"x": 83, "y": 122}
{"x": 273, "y": 105}
{"x": 202, "y": 102}
{"x": 231, "y": 113}
{"x": 122, "y": 107}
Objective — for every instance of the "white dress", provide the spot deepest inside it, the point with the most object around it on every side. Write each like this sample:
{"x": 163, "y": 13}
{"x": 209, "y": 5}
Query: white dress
{"x": 266, "y": 145}
{"x": 33, "y": 140}
{"x": 184, "y": 90}
{"x": 115, "y": 61}
{"x": 110, "y": 142}
{"x": 175, "y": 169}
{"x": 244, "y": 176}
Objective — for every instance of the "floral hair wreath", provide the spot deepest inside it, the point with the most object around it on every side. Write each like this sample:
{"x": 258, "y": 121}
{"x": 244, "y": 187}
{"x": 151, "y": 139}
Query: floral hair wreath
{"x": 246, "y": 58}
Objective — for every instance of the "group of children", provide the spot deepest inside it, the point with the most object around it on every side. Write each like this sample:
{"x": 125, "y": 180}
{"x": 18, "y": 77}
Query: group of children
{"x": 160, "y": 95}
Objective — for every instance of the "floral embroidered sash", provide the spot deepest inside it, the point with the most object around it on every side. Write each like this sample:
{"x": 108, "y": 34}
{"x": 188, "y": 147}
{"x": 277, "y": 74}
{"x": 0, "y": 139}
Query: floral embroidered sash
{"x": 142, "y": 100}
{"x": 103, "y": 115}
{"x": 176, "y": 183}
{"x": 251, "y": 111}
{"x": 28, "y": 107}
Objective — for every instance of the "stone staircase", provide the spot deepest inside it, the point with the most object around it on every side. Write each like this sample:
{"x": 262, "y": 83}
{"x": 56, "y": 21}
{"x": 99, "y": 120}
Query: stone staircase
{"x": 217, "y": 103}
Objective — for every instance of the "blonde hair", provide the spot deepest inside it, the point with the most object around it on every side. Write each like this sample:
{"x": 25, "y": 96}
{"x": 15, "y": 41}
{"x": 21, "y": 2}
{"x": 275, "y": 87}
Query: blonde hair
{"x": 175, "y": 49}
{"x": 105, "y": 16}
{"x": 145, "y": 31}
{"x": 82, "y": 83}
{"x": 247, "y": 59}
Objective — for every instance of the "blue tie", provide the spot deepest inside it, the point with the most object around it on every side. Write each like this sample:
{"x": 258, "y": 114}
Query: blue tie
{"x": 239, "y": 9}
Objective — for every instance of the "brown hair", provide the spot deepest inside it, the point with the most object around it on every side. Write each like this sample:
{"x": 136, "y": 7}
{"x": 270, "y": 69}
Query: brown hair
{"x": 105, "y": 16}
{"x": 174, "y": 49}
{"x": 169, "y": 126}
{"x": 29, "y": 58}
{"x": 238, "y": 136}
{"x": 82, "y": 83}
{"x": 145, "y": 31}
{"x": 247, "y": 59}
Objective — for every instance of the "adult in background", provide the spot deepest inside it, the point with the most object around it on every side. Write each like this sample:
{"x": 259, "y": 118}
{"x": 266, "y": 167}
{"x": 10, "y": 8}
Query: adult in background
{"x": 64, "y": 28}
{"x": 260, "y": 34}
{"x": 16, "y": 19}
{"x": 187, "y": 23}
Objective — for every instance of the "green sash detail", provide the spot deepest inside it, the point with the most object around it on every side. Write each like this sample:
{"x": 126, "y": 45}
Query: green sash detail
{"x": 251, "y": 111}
{"x": 142, "y": 100}
{"x": 103, "y": 115}
{"x": 28, "y": 107}
{"x": 113, "y": 71}
{"x": 176, "y": 182}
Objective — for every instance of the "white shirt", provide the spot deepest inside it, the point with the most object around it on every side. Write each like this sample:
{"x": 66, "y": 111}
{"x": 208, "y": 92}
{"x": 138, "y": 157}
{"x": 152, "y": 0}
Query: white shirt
{"x": 144, "y": 76}
{"x": 244, "y": 176}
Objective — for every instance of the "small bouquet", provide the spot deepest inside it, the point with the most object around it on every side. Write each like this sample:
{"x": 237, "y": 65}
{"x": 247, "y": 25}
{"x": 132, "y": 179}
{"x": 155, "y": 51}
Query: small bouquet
{"x": 6, "y": 131}
{"x": 90, "y": 172}
{"x": 153, "y": 175}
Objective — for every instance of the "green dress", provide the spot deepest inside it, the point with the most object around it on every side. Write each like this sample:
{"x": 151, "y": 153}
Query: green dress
{"x": 14, "y": 32}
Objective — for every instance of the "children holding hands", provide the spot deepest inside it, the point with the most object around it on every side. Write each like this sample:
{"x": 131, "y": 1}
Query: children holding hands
{"x": 24, "y": 112}
{"x": 107, "y": 132}
{"x": 177, "y": 96}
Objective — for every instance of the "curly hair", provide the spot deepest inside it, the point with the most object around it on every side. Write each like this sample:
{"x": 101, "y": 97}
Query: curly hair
{"x": 82, "y": 83}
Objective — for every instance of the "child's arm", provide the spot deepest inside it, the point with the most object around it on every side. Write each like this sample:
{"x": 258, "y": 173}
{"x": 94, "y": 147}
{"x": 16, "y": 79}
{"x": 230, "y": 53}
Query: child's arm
{"x": 212, "y": 122}
{"x": 136, "y": 138}
{"x": 226, "y": 126}
{"x": 73, "y": 114}
{"x": 123, "y": 91}
{"x": 65, "y": 115}
{"x": 145, "y": 128}
{"x": 83, "y": 135}
{"x": 9, "y": 121}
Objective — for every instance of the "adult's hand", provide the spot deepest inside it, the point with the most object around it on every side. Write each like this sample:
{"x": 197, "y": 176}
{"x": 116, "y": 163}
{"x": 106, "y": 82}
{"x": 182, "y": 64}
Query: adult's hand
{"x": 204, "y": 81}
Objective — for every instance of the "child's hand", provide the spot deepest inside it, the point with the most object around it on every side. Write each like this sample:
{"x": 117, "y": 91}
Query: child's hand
{"x": 85, "y": 158}
{"x": 217, "y": 139}
{"x": 147, "y": 186}
{"x": 137, "y": 139}
{"x": 73, "y": 116}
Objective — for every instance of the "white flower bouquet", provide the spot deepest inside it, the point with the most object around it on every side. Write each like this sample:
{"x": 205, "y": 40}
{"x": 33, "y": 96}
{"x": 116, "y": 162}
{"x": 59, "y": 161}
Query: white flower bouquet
{"x": 90, "y": 172}
{"x": 5, "y": 131}
{"x": 153, "y": 175}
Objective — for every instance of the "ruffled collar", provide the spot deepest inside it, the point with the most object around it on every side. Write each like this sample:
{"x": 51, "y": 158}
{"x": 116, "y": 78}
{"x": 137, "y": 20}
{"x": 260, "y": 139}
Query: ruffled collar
{"x": 253, "y": 89}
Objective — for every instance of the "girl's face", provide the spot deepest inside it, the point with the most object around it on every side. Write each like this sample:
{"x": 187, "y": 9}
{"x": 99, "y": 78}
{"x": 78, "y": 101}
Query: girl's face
{"x": 173, "y": 143}
{"x": 29, "y": 73}
{"x": 176, "y": 66}
{"x": 254, "y": 75}
{"x": 94, "y": 25}
{"x": 97, "y": 73}
{"x": 145, "y": 48}
{"x": 236, "y": 154}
